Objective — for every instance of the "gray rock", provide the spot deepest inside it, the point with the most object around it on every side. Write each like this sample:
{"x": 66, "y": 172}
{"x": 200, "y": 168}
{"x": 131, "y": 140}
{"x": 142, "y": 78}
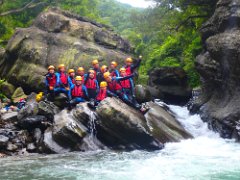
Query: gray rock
{"x": 142, "y": 94}
{"x": 10, "y": 117}
{"x": 3, "y": 140}
{"x": 32, "y": 122}
{"x": 31, "y": 147}
{"x": 170, "y": 84}
{"x": 11, "y": 147}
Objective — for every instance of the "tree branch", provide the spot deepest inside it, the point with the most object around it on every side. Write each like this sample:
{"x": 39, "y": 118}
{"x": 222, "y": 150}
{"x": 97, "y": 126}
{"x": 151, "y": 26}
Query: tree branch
{"x": 30, "y": 5}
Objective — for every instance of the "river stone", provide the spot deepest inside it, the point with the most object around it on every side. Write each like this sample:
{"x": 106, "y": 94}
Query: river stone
{"x": 3, "y": 140}
{"x": 66, "y": 131}
{"x": 7, "y": 89}
{"x": 122, "y": 127}
{"x": 142, "y": 94}
{"x": 164, "y": 126}
{"x": 11, "y": 147}
{"x": 32, "y": 122}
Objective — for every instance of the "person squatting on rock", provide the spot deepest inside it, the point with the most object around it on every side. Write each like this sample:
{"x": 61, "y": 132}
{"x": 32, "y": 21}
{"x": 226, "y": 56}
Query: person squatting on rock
{"x": 79, "y": 92}
{"x": 86, "y": 86}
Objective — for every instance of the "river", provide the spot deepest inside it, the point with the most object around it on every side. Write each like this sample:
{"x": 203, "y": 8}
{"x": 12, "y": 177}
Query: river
{"x": 207, "y": 156}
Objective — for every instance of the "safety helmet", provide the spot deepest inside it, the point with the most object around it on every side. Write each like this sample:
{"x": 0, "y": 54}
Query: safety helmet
{"x": 91, "y": 71}
{"x": 106, "y": 75}
{"x": 78, "y": 78}
{"x": 103, "y": 84}
{"x": 61, "y": 66}
{"x": 94, "y": 62}
{"x": 122, "y": 70}
{"x": 114, "y": 63}
{"x": 129, "y": 60}
{"x": 80, "y": 69}
{"x": 71, "y": 71}
{"x": 51, "y": 67}
{"x": 103, "y": 68}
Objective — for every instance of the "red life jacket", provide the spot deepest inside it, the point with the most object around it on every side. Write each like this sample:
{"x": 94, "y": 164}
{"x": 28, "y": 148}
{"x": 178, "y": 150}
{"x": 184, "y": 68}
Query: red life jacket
{"x": 64, "y": 78}
{"x": 102, "y": 95}
{"x": 95, "y": 73}
{"x": 73, "y": 80}
{"x": 91, "y": 84}
{"x": 113, "y": 73}
{"x": 114, "y": 86}
{"x": 126, "y": 84}
{"x": 77, "y": 91}
{"x": 128, "y": 70}
{"x": 52, "y": 80}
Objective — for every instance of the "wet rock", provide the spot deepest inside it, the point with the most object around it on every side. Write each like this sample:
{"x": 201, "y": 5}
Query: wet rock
{"x": 11, "y": 147}
{"x": 66, "y": 131}
{"x": 3, "y": 140}
{"x": 31, "y": 147}
{"x": 37, "y": 134}
{"x": 61, "y": 101}
{"x": 164, "y": 126}
{"x": 47, "y": 109}
{"x": 142, "y": 94}
{"x": 123, "y": 127}
{"x": 170, "y": 84}
{"x": 32, "y": 122}
{"x": 29, "y": 110}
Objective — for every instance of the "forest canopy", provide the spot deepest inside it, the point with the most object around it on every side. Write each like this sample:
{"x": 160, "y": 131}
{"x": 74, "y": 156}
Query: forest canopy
{"x": 166, "y": 35}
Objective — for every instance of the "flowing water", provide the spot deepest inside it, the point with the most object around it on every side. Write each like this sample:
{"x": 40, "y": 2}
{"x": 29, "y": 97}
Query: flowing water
{"x": 205, "y": 157}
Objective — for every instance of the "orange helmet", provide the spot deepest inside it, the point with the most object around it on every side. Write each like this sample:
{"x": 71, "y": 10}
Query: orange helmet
{"x": 80, "y": 69}
{"x": 114, "y": 63}
{"x": 94, "y": 62}
{"x": 129, "y": 60}
{"x": 61, "y": 66}
{"x": 71, "y": 71}
{"x": 122, "y": 70}
{"x": 106, "y": 75}
{"x": 78, "y": 78}
{"x": 91, "y": 71}
{"x": 104, "y": 67}
{"x": 51, "y": 67}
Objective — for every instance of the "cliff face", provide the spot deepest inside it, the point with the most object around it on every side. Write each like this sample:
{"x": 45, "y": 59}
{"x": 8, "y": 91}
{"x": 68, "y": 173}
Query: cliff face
{"x": 58, "y": 37}
{"x": 219, "y": 67}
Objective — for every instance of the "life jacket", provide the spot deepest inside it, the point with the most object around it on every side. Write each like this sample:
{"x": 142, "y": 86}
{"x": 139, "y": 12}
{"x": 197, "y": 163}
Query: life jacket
{"x": 128, "y": 70}
{"x": 51, "y": 79}
{"x": 63, "y": 78}
{"x": 126, "y": 84}
{"x": 114, "y": 86}
{"x": 73, "y": 80}
{"x": 101, "y": 95}
{"x": 113, "y": 73}
{"x": 91, "y": 84}
{"x": 77, "y": 91}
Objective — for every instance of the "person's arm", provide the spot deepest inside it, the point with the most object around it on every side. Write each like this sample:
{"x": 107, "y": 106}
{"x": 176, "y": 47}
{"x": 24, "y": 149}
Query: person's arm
{"x": 58, "y": 79}
{"x": 86, "y": 79}
{"x": 110, "y": 94}
{"x": 70, "y": 82}
{"x": 136, "y": 65}
{"x": 124, "y": 78}
{"x": 97, "y": 85}
{"x": 70, "y": 92}
{"x": 46, "y": 82}
{"x": 85, "y": 92}
{"x": 117, "y": 73}
{"x": 132, "y": 87}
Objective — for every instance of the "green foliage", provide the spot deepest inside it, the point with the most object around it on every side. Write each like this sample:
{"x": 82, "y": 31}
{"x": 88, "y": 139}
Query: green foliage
{"x": 2, "y": 96}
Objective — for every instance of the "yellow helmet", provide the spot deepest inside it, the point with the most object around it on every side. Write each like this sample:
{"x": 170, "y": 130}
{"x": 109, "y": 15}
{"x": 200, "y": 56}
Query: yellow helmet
{"x": 103, "y": 84}
{"x": 51, "y": 67}
{"x": 94, "y": 62}
{"x": 80, "y": 69}
{"x": 129, "y": 60}
{"x": 103, "y": 68}
{"x": 61, "y": 66}
{"x": 39, "y": 96}
{"x": 122, "y": 70}
{"x": 91, "y": 71}
{"x": 71, "y": 71}
{"x": 114, "y": 63}
{"x": 78, "y": 78}
{"x": 106, "y": 75}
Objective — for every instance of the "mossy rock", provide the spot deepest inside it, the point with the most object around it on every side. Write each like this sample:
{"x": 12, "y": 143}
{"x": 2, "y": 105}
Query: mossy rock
{"x": 7, "y": 89}
{"x": 18, "y": 94}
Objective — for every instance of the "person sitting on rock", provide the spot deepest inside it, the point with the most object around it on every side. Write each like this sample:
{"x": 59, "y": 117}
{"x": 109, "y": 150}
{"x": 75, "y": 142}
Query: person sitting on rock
{"x": 81, "y": 72}
{"x": 102, "y": 94}
{"x": 63, "y": 83}
{"x": 92, "y": 85}
{"x": 71, "y": 76}
{"x": 100, "y": 77}
{"x": 96, "y": 68}
{"x": 51, "y": 82}
{"x": 113, "y": 69}
{"x": 78, "y": 92}
{"x": 128, "y": 86}
{"x": 130, "y": 67}
{"x": 115, "y": 87}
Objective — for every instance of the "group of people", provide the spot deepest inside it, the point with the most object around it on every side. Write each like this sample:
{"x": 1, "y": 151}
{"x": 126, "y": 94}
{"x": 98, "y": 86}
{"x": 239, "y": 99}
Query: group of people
{"x": 94, "y": 85}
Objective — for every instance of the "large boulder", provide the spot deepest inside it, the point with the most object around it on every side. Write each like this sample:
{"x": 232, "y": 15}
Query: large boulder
{"x": 170, "y": 84}
{"x": 7, "y": 89}
{"x": 58, "y": 37}
{"x": 219, "y": 67}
